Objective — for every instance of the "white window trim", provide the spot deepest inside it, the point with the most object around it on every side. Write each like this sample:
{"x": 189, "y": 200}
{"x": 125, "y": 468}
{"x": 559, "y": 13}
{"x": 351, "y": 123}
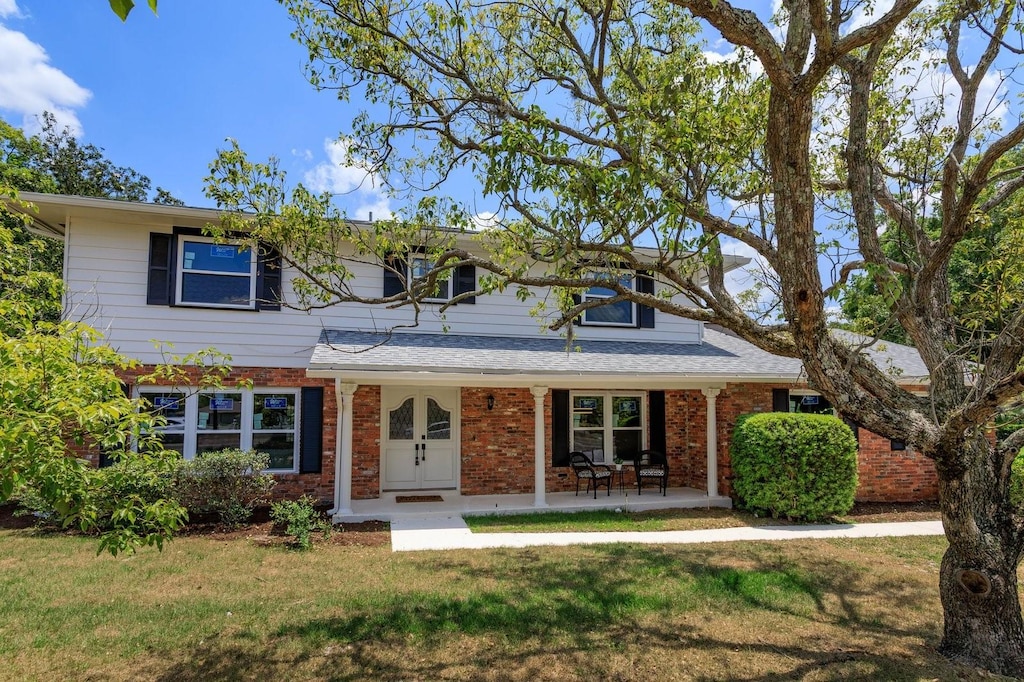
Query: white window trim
{"x": 248, "y": 395}
{"x": 180, "y": 276}
{"x": 608, "y": 428}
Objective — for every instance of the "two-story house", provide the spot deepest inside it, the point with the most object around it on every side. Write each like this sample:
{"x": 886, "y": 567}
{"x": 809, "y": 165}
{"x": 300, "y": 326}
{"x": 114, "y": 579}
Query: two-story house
{"x": 482, "y": 402}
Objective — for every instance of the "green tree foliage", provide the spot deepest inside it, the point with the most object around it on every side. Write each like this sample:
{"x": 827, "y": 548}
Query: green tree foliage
{"x": 794, "y": 466}
{"x": 595, "y": 129}
{"x": 59, "y": 386}
{"x": 122, "y": 8}
{"x": 54, "y": 162}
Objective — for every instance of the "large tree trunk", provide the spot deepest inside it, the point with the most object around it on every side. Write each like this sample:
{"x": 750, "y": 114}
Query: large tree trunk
{"x": 978, "y": 578}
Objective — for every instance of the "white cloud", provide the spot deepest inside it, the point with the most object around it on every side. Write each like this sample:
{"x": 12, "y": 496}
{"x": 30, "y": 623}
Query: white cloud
{"x": 29, "y": 85}
{"x": 9, "y": 8}
{"x": 352, "y": 182}
{"x": 485, "y": 220}
{"x": 339, "y": 175}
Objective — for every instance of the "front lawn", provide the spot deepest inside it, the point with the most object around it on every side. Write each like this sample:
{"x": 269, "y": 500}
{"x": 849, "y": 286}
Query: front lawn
{"x": 677, "y": 519}
{"x": 213, "y": 608}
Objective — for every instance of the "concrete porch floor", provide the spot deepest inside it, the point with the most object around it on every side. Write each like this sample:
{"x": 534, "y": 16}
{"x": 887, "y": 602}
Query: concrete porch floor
{"x": 386, "y": 508}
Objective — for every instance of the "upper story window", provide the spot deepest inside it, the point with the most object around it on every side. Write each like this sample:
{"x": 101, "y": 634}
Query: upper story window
{"x": 419, "y": 267}
{"x": 620, "y": 314}
{"x": 216, "y": 275}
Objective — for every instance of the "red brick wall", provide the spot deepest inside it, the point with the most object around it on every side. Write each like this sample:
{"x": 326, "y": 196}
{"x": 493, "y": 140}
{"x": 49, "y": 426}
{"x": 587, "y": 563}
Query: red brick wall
{"x": 497, "y": 445}
{"x": 686, "y": 439}
{"x": 365, "y": 443}
{"x": 887, "y": 475}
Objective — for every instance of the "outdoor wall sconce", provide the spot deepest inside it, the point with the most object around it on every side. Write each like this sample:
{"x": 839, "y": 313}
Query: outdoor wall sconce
{"x": 490, "y": 402}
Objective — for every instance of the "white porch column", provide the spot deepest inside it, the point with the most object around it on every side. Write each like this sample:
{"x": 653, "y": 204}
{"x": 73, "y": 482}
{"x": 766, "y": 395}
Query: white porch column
{"x": 343, "y": 449}
{"x": 710, "y": 394}
{"x": 538, "y": 445}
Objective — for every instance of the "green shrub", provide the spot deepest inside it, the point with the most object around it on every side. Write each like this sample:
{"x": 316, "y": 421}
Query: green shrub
{"x": 1017, "y": 480}
{"x": 300, "y": 520}
{"x": 228, "y": 483}
{"x": 132, "y": 496}
{"x": 794, "y": 466}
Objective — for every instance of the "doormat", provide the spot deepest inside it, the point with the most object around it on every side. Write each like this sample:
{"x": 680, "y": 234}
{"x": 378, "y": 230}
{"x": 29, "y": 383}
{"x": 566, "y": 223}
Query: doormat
{"x": 419, "y": 498}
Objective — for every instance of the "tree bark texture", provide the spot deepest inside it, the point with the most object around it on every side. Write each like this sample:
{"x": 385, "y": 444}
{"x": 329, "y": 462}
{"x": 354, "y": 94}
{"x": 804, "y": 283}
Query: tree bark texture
{"x": 978, "y": 578}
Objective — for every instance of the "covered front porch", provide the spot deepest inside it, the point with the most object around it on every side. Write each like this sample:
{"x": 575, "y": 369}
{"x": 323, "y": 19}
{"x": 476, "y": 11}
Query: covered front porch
{"x": 387, "y": 508}
{"x": 503, "y": 415}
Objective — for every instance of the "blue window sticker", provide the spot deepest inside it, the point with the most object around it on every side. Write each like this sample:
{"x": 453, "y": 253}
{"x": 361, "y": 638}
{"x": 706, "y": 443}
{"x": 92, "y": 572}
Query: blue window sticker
{"x": 222, "y": 404}
{"x": 275, "y": 403}
{"x": 810, "y": 400}
{"x": 221, "y": 251}
{"x": 168, "y": 402}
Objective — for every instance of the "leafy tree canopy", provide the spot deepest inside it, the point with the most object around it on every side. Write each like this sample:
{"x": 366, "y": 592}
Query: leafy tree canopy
{"x": 600, "y": 128}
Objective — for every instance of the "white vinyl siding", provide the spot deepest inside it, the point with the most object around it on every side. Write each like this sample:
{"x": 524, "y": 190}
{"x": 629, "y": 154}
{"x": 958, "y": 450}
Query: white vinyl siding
{"x": 107, "y": 282}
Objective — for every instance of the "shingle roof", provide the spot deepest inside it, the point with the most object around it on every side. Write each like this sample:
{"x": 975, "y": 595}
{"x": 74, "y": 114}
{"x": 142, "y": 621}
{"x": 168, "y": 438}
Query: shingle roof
{"x": 720, "y": 356}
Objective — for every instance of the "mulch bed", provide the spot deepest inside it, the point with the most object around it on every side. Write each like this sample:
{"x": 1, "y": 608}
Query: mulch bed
{"x": 260, "y": 530}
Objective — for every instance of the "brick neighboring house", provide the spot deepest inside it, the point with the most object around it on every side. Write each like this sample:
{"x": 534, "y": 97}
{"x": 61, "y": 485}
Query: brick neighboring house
{"x": 481, "y": 402}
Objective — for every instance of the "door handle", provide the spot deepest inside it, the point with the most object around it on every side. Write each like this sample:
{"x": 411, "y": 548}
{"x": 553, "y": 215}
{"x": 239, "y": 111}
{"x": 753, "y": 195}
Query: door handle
{"x": 417, "y": 454}
{"x": 424, "y": 446}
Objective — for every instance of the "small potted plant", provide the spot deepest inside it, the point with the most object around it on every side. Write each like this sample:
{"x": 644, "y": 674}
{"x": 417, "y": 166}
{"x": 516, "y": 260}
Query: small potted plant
{"x": 618, "y": 463}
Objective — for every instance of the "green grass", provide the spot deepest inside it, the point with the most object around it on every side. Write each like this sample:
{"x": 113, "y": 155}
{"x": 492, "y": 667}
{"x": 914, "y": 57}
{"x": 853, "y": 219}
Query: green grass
{"x": 611, "y": 520}
{"x": 215, "y": 609}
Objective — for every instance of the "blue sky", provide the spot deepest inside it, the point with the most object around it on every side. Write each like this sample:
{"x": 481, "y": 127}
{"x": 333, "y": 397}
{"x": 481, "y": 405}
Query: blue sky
{"x": 161, "y": 94}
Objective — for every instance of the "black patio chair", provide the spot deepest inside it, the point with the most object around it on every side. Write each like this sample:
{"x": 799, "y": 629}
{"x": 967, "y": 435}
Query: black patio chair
{"x": 593, "y": 474}
{"x": 651, "y": 467}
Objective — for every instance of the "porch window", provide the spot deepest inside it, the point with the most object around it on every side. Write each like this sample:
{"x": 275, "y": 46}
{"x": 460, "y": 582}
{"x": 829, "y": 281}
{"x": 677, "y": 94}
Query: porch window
{"x": 608, "y": 425}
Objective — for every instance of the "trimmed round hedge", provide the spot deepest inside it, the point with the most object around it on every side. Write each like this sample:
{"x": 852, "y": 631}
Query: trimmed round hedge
{"x": 794, "y": 466}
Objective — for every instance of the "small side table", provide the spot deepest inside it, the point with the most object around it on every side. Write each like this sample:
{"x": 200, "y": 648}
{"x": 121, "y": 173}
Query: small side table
{"x": 619, "y": 475}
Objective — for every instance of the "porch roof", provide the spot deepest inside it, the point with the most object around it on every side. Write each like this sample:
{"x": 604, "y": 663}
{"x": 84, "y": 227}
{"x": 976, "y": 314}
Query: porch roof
{"x": 364, "y": 356}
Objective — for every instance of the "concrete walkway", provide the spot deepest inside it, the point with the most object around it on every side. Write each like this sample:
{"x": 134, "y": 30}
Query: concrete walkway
{"x": 449, "y": 531}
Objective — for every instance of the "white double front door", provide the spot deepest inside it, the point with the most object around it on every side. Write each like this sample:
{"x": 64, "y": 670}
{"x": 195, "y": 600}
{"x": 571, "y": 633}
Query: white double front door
{"x": 419, "y": 437}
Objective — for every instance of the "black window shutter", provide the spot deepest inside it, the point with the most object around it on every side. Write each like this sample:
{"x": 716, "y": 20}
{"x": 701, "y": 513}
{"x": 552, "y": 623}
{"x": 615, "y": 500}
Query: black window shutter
{"x": 465, "y": 281}
{"x": 559, "y": 428}
{"x": 576, "y": 300}
{"x": 780, "y": 400}
{"x": 161, "y": 269}
{"x": 656, "y": 414}
{"x": 311, "y": 433}
{"x": 393, "y": 283}
{"x": 268, "y": 278}
{"x": 645, "y": 313}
